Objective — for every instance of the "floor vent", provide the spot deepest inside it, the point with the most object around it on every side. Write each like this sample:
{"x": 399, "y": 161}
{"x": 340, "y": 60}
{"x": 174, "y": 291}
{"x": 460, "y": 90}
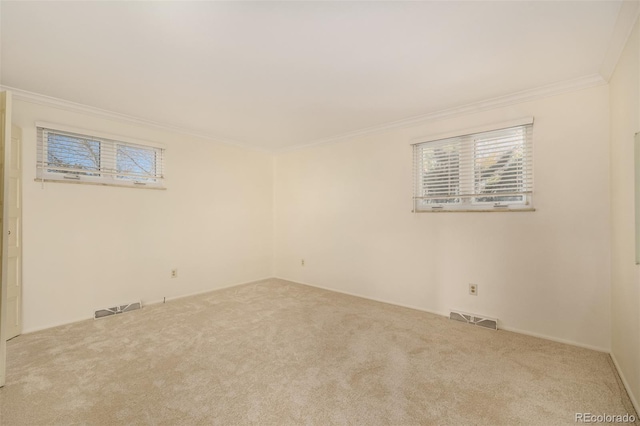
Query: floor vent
{"x": 490, "y": 323}
{"x": 107, "y": 312}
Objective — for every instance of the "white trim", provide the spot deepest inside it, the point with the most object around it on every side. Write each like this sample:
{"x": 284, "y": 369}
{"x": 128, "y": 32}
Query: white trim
{"x": 85, "y": 182}
{"x": 555, "y": 339}
{"x": 627, "y": 17}
{"x": 6, "y": 122}
{"x": 494, "y": 210}
{"x": 198, "y": 293}
{"x": 632, "y": 397}
{"x": 581, "y": 83}
{"x": 473, "y": 130}
{"x": 446, "y": 315}
{"x": 50, "y": 101}
{"x": 402, "y": 305}
{"x": 155, "y": 302}
{"x": 274, "y": 212}
{"x": 435, "y": 312}
{"x": 585, "y": 82}
{"x": 96, "y": 134}
{"x": 55, "y": 325}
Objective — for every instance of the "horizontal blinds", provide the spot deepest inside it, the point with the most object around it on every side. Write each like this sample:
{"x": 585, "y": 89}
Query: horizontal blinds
{"x": 72, "y": 155}
{"x": 492, "y": 166}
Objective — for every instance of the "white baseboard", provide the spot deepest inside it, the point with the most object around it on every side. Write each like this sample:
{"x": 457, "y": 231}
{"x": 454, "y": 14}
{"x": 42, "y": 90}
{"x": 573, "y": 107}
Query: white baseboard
{"x": 418, "y": 308}
{"x": 56, "y": 324}
{"x": 403, "y": 305}
{"x": 555, "y": 339}
{"x": 446, "y": 314}
{"x": 632, "y": 397}
{"x": 211, "y": 290}
{"x": 144, "y": 303}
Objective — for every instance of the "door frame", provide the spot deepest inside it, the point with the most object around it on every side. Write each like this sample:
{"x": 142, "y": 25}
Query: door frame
{"x": 5, "y": 139}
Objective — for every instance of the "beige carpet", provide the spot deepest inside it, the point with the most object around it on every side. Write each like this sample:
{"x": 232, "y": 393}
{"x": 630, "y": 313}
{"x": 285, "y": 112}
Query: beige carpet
{"x": 282, "y": 353}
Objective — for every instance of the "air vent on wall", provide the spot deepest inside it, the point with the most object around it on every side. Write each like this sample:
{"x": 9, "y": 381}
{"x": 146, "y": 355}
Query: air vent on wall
{"x": 490, "y": 323}
{"x": 107, "y": 312}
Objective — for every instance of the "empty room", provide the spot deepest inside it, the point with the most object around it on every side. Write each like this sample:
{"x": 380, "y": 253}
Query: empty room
{"x": 288, "y": 212}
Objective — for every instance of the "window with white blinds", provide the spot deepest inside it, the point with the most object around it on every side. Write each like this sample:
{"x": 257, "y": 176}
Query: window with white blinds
{"x": 487, "y": 171}
{"x": 73, "y": 156}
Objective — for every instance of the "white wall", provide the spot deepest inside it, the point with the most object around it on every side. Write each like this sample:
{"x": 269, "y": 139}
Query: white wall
{"x": 86, "y": 247}
{"x": 625, "y": 282}
{"x": 346, "y": 209}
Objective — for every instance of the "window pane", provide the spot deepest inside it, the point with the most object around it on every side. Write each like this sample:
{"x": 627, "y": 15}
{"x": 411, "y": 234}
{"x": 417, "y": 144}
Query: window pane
{"x": 441, "y": 173}
{"x": 136, "y": 163}
{"x": 499, "y": 163}
{"x": 69, "y": 152}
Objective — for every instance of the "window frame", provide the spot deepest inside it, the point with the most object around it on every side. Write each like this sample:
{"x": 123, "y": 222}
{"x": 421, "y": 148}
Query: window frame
{"x": 467, "y": 171}
{"x": 107, "y": 170}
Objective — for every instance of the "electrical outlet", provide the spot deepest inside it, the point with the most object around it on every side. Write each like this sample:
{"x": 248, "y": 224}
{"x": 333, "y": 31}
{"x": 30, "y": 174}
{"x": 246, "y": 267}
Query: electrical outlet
{"x": 174, "y": 273}
{"x": 302, "y": 262}
{"x": 473, "y": 289}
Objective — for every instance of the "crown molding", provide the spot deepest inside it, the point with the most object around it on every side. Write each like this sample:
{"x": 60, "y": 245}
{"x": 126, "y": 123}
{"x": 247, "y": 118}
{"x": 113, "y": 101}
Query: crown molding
{"x": 627, "y": 18}
{"x": 502, "y": 101}
{"x": 36, "y": 98}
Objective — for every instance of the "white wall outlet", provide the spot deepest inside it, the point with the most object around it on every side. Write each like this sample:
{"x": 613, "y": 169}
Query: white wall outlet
{"x": 174, "y": 273}
{"x": 302, "y": 262}
{"x": 473, "y": 289}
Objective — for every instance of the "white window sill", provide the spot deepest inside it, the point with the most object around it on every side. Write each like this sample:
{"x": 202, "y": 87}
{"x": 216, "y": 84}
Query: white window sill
{"x": 81, "y": 182}
{"x": 499, "y": 210}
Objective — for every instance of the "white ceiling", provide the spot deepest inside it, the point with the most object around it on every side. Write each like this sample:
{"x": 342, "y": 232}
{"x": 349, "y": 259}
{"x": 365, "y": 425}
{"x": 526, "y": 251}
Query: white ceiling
{"x": 278, "y": 74}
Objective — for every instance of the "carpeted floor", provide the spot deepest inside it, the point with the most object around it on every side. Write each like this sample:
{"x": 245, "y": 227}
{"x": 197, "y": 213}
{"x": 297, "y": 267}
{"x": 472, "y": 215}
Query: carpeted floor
{"x": 275, "y": 352}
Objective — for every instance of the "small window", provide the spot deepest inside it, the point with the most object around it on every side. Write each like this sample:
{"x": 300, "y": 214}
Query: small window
{"x": 70, "y": 156}
{"x": 488, "y": 171}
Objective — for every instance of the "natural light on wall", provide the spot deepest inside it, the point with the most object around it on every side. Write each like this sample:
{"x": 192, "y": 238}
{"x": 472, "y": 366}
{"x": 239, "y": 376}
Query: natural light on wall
{"x": 484, "y": 171}
{"x": 637, "y": 194}
{"x": 80, "y": 156}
